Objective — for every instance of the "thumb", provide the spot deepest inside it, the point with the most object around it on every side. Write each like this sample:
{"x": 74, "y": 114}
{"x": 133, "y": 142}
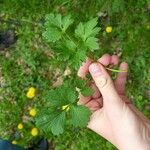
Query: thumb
{"x": 105, "y": 84}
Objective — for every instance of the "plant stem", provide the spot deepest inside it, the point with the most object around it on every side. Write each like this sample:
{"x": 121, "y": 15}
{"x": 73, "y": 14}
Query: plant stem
{"x": 115, "y": 70}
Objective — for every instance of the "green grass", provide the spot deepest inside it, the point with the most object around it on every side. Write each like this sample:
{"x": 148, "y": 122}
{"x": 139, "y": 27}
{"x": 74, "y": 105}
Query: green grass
{"x": 28, "y": 62}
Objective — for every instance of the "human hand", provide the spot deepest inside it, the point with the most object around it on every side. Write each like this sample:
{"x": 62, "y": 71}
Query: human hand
{"x": 113, "y": 115}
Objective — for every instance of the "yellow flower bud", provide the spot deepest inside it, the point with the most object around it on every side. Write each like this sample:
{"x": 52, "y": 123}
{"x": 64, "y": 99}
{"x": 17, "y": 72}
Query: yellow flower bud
{"x": 14, "y": 142}
{"x": 31, "y": 92}
{"x": 20, "y": 126}
{"x": 32, "y": 112}
{"x": 34, "y": 132}
{"x": 109, "y": 29}
{"x": 65, "y": 107}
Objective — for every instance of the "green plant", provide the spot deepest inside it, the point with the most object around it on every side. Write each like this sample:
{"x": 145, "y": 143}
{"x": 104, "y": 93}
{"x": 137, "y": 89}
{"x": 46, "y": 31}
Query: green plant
{"x": 31, "y": 62}
{"x": 71, "y": 49}
{"x": 71, "y": 46}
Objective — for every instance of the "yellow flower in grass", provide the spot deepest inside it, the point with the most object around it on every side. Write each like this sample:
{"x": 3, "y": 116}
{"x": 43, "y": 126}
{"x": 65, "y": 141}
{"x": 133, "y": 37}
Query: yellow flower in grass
{"x": 14, "y": 142}
{"x": 32, "y": 112}
{"x": 65, "y": 107}
{"x": 34, "y": 132}
{"x": 109, "y": 29}
{"x": 31, "y": 92}
{"x": 20, "y": 126}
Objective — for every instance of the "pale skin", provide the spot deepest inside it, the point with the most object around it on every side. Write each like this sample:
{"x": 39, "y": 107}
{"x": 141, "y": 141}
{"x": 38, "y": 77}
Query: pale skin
{"x": 114, "y": 117}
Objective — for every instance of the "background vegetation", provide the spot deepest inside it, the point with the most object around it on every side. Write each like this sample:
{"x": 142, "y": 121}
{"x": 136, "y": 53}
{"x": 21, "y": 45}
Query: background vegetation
{"x": 29, "y": 61}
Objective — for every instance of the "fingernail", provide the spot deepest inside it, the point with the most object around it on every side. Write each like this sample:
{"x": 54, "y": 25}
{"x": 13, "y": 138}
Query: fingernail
{"x": 95, "y": 70}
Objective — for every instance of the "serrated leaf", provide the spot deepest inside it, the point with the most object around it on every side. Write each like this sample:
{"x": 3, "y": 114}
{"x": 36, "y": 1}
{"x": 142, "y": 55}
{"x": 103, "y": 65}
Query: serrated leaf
{"x": 44, "y": 118}
{"x": 52, "y": 35}
{"x": 70, "y": 45}
{"x": 55, "y": 25}
{"x": 87, "y": 29}
{"x": 79, "y": 31}
{"x": 80, "y": 115}
{"x": 61, "y": 96}
{"x": 90, "y": 29}
{"x": 92, "y": 43}
{"x": 51, "y": 121}
{"x": 66, "y": 22}
{"x": 87, "y": 91}
{"x": 57, "y": 124}
{"x": 78, "y": 58}
{"x": 53, "y": 20}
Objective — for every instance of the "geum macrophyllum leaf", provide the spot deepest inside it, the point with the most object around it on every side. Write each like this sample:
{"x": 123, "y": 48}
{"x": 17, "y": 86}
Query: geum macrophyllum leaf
{"x": 80, "y": 115}
{"x": 78, "y": 58}
{"x": 57, "y": 124}
{"x": 87, "y": 29}
{"x": 51, "y": 121}
{"x": 92, "y": 43}
{"x": 52, "y": 34}
{"x": 90, "y": 28}
{"x": 87, "y": 32}
{"x": 79, "y": 32}
{"x": 55, "y": 26}
{"x": 66, "y": 22}
{"x": 61, "y": 96}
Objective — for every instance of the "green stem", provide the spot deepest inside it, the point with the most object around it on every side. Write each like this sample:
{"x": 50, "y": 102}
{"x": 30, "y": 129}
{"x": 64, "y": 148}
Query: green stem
{"x": 115, "y": 70}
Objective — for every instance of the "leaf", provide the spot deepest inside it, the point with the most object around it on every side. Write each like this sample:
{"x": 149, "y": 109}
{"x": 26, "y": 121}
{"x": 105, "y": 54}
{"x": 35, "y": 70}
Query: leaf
{"x": 80, "y": 115}
{"x": 53, "y": 20}
{"x": 92, "y": 43}
{"x": 52, "y": 35}
{"x": 44, "y": 118}
{"x": 87, "y": 91}
{"x": 55, "y": 26}
{"x": 62, "y": 95}
{"x": 79, "y": 31}
{"x": 90, "y": 28}
{"x": 51, "y": 121}
{"x": 70, "y": 45}
{"x": 66, "y": 22}
{"x": 78, "y": 58}
{"x": 57, "y": 124}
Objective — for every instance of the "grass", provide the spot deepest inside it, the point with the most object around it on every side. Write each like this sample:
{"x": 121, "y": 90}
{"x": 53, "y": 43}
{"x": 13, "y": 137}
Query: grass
{"x": 24, "y": 63}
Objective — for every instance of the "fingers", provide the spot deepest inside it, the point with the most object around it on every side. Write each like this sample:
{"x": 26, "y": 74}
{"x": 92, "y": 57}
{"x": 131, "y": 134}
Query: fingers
{"x": 106, "y": 60}
{"x": 121, "y": 78}
{"x": 95, "y": 104}
{"x": 83, "y": 100}
{"x": 114, "y": 60}
{"x": 84, "y": 69}
{"x": 96, "y": 93}
{"x": 105, "y": 85}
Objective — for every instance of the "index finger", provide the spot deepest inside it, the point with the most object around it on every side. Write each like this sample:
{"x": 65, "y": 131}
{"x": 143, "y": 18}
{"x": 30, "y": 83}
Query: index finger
{"x": 84, "y": 69}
